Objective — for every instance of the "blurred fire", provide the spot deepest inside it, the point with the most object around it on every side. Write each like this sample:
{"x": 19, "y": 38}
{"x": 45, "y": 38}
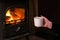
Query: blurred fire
{"x": 15, "y": 15}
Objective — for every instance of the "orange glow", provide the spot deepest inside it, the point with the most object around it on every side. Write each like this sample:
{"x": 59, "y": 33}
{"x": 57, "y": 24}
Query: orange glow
{"x": 17, "y": 15}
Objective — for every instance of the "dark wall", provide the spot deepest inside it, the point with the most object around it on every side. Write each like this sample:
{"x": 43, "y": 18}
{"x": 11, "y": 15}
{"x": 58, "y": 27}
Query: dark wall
{"x": 50, "y": 9}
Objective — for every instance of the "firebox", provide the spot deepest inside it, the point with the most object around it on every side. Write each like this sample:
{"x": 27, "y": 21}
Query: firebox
{"x": 16, "y": 17}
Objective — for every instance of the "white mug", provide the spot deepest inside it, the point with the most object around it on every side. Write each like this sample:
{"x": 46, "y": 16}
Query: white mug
{"x": 38, "y": 21}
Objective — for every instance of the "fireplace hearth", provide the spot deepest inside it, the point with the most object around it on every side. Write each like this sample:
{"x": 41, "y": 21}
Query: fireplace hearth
{"x": 15, "y": 18}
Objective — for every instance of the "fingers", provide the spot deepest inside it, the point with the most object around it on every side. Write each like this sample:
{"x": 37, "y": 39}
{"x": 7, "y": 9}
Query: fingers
{"x": 50, "y": 25}
{"x": 47, "y": 23}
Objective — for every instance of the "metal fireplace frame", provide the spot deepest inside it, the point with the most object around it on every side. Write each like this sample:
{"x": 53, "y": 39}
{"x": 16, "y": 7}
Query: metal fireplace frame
{"x": 2, "y": 19}
{"x": 2, "y": 24}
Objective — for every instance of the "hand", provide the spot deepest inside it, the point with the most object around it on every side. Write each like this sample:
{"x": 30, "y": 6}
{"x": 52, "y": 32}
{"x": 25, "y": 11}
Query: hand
{"x": 47, "y": 23}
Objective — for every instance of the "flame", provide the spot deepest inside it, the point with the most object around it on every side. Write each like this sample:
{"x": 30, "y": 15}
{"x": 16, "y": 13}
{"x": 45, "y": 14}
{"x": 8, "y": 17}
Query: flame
{"x": 8, "y": 14}
{"x": 17, "y": 14}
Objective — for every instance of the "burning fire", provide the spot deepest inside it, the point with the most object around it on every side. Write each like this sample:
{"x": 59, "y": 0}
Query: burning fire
{"x": 15, "y": 15}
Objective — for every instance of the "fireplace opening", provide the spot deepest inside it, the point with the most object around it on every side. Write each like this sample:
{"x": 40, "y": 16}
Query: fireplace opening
{"x": 15, "y": 15}
{"x": 16, "y": 22}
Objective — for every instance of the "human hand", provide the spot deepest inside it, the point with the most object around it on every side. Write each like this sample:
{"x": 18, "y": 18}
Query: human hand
{"x": 47, "y": 23}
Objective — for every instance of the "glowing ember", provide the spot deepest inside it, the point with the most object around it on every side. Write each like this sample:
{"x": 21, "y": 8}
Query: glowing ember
{"x": 15, "y": 16}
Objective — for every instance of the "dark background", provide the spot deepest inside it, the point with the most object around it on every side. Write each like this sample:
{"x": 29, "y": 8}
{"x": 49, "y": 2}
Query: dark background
{"x": 50, "y": 9}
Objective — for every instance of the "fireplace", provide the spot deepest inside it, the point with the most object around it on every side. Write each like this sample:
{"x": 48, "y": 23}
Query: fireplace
{"x": 15, "y": 17}
{"x": 16, "y": 21}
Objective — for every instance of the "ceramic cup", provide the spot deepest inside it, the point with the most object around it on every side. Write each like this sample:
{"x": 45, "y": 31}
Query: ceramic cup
{"x": 38, "y": 21}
